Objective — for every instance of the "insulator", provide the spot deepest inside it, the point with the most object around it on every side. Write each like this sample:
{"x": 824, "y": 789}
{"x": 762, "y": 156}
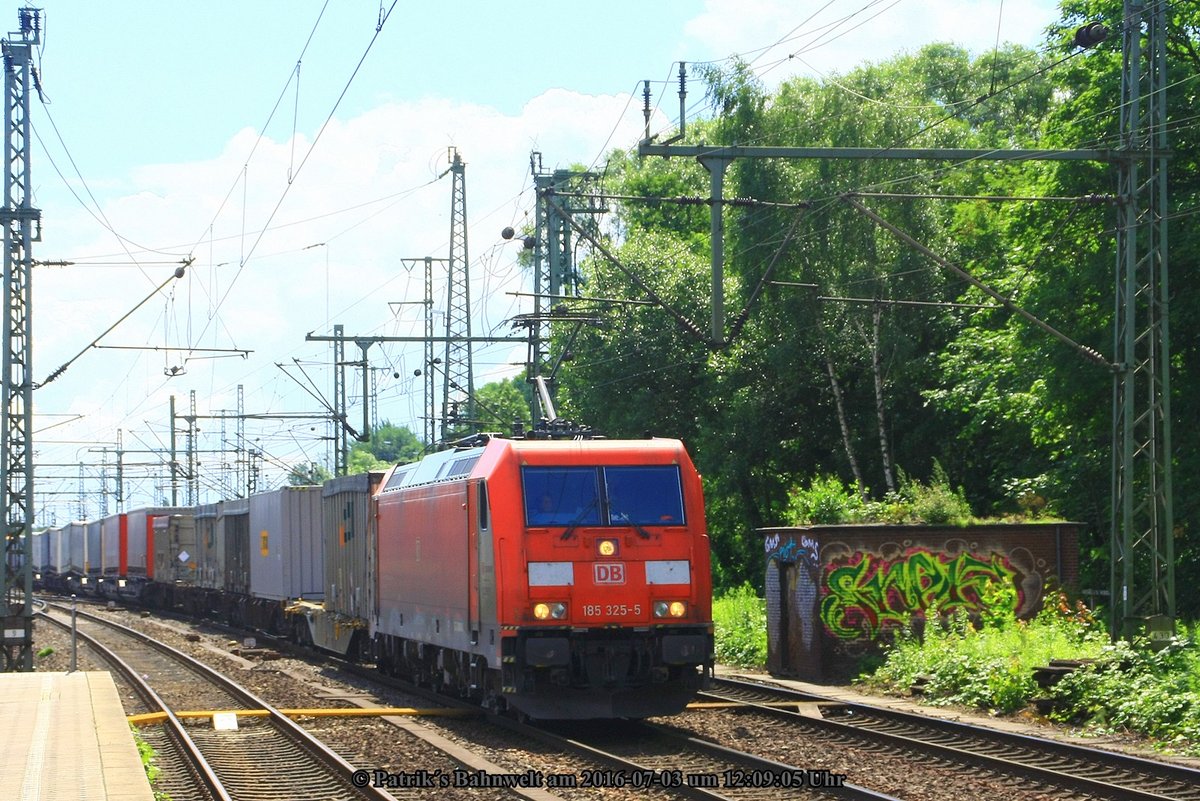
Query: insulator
{"x": 1090, "y": 35}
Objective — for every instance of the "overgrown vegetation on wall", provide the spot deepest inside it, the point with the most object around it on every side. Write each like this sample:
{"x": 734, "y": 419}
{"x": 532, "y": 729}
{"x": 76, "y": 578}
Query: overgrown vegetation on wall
{"x": 828, "y": 500}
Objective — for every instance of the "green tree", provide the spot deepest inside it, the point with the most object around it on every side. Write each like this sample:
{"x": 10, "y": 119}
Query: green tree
{"x": 809, "y": 386}
{"x": 388, "y": 445}
{"x": 306, "y": 474}
{"x": 500, "y": 404}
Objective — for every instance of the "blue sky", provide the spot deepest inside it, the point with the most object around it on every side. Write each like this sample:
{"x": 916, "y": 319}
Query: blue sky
{"x": 152, "y": 149}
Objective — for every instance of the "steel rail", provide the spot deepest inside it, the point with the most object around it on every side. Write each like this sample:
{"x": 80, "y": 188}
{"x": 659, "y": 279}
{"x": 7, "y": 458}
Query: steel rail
{"x": 1146, "y": 779}
{"x": 293, "y": 731}
{"x": 191, "y": 756}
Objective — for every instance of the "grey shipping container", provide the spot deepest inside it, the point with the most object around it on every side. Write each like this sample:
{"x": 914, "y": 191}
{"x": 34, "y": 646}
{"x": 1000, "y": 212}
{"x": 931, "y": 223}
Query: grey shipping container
{"x": 286, "y": 557}
{"x": 233, "y": 527}
{"x": 40, "y": 549}
{"x": 57, "y": 559}
{"x": 210, "y": 548}
{"x": 140, "y": 528}
{"x": 174, "y": 548}
{"x": 348, "y": 525}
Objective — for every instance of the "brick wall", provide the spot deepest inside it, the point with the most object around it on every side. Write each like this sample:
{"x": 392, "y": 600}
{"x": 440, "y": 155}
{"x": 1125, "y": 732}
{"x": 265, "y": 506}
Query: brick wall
{"x": 835, "y": 592}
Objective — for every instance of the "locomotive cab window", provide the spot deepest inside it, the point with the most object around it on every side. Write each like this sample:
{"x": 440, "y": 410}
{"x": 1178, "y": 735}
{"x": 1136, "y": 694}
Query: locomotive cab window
{"x": 644, "y": 496}
{"x": 603, "y": 496}
{"x": 561, "y": 496}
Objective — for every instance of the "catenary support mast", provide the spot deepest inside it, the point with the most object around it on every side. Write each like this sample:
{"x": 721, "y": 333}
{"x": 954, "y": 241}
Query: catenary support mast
{"x": 458, "y": 376}
{"x": 1143, "y": 557}
{"x": 22, "y": 226}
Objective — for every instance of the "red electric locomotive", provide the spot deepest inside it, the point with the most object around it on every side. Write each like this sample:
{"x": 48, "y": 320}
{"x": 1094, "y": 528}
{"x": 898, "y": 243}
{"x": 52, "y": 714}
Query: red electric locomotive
{"x": 566, "y": 579}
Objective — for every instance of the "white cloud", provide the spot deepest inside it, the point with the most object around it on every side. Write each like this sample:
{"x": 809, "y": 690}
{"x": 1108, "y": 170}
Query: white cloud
{"x": 367, "y": 197}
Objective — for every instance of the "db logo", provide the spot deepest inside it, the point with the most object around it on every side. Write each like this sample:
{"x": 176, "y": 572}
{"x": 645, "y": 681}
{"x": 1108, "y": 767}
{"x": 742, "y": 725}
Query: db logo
{"x": 608, "y": 573}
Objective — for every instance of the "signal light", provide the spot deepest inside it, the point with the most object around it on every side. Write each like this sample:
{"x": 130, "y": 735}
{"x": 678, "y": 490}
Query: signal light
{"x": 670, "y": 608}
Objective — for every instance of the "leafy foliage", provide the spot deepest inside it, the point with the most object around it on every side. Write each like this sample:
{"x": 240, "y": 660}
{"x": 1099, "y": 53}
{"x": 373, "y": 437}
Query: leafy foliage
{"x": 1132, "y": 688}
{"x": 987, "y": 663}
{"x": 823, "y": 369}
{"x": 310, "y": 474}
{"x": 388, "y": 445}
{"x": 149, "y": 758}
{"x": 828, "y": 500}
{"x": 1120, "y": 687}
{"x": 500, "y": 404}
{"x": 740, "y": 628}
{"x": 825, "y": 500}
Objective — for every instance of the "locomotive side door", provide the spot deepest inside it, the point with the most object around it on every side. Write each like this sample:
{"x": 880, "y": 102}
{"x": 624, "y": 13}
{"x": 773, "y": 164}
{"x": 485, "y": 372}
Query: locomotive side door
{"x": 473, "y": 505}
{"x": 481, "y": 564}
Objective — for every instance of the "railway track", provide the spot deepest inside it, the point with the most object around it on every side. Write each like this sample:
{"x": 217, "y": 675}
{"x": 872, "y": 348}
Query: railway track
{"x": 263, "y": 758}
{"x": 1064, "y": 767}
{"x": 644, "y": 757}
{"x": 670, "y": 761}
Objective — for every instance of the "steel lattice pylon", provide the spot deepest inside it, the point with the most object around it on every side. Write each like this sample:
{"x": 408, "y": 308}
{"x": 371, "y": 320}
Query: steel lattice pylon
{"x": 1143, "y": 559}
{"x": 21, "y": 228}
{"x": 458, "y": 385}
{"x": 554, "y": 272}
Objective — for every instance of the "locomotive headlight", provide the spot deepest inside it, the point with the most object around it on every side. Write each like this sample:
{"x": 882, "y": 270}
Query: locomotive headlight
{"x": 550, "y": 611}
{"x": 606, "y": 547}
{"x": 670, "y": 608}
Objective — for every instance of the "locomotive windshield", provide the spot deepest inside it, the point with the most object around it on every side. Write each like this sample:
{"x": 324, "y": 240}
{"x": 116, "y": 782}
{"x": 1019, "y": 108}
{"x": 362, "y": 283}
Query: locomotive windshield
{"x": 644, "y": 495}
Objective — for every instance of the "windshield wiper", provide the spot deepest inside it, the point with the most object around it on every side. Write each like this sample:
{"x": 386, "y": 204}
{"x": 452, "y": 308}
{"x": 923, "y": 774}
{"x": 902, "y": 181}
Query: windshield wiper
{"x": 623, "y": 519}
{"x": 569, "y": 531}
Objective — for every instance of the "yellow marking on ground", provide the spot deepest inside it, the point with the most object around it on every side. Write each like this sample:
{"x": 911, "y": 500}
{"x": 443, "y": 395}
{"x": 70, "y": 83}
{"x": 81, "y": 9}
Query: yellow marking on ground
{"x": 339, "y": 712}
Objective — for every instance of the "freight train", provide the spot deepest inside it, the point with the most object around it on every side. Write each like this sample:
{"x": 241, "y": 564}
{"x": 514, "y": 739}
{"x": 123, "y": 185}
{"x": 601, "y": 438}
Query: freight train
{"x": 553, "y": 578}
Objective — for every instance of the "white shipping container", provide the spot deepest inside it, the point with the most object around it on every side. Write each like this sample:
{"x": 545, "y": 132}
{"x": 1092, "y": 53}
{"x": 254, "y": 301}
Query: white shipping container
{"x": 286, "y": 557}
{"x": 92, "y": 558}
{"x": 76, "y": 546}
{"x": 110, "y": 544}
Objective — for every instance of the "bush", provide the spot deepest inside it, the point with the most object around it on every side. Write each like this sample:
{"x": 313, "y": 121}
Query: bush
{"x": 935, "y": 503}
{"x": 740, "y": 628}
{"x": 1132, "y": 688}
{"x": 826, "y": 500}
{"x": 989, "y": 666}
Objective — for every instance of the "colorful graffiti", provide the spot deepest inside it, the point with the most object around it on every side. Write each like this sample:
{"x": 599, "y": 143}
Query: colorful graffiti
{"x": 865, "y": 593}
{"x": 791, "y": 549}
